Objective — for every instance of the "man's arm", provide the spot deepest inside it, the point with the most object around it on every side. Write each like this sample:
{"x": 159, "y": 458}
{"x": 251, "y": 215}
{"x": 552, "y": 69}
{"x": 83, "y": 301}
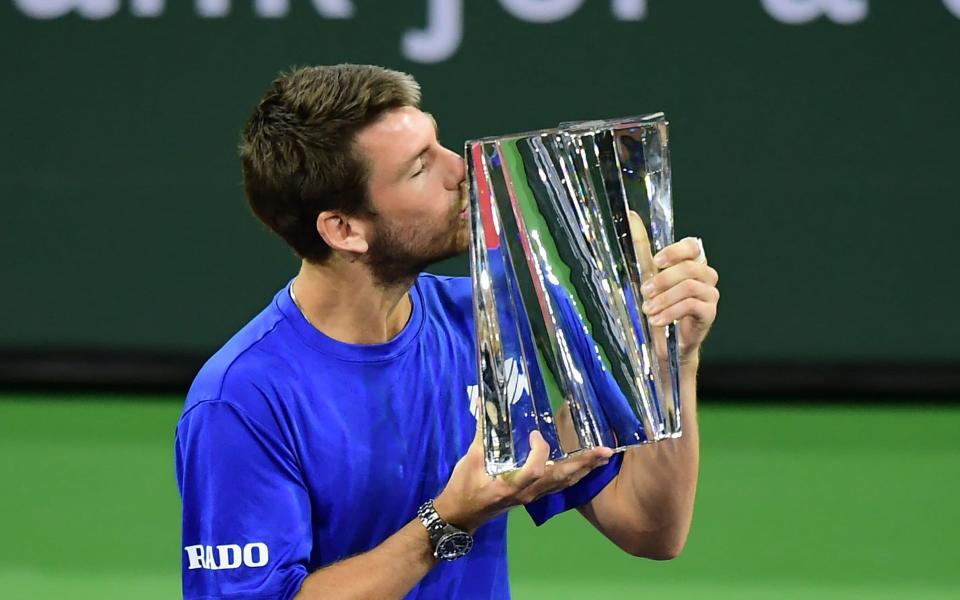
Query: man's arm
{"x": 388, "y": 571}
{"x": 240, "y": 485}
{"x": 648, "y": 507}
{"x": 470, "y": 499}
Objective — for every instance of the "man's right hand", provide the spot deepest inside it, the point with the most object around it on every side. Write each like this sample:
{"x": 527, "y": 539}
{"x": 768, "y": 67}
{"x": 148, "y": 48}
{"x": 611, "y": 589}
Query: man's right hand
{"x": 472, "y": 497}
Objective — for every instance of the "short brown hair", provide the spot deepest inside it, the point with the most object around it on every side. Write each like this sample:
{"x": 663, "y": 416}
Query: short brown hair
{"x": 298, "y": 148}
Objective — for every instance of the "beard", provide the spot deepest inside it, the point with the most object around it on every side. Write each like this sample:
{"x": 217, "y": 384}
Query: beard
{"x": 401, "y": 252}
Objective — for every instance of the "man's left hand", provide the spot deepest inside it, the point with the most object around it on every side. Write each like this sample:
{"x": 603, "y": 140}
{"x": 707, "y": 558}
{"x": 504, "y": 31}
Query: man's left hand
{"x": 684, "y": 290}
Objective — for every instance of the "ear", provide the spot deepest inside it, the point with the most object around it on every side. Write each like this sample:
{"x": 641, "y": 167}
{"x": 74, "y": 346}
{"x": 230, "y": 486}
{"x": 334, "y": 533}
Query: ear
{"x": 343, "y": 233}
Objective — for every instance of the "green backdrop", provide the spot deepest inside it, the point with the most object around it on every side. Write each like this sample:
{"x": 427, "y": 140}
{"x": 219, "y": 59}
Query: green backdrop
{"x": 814, "y": 157}
{"x": 811, "y": 503}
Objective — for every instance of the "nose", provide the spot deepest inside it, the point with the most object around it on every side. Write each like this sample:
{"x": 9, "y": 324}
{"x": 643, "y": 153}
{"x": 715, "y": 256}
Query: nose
{"x": 457, "y": 170}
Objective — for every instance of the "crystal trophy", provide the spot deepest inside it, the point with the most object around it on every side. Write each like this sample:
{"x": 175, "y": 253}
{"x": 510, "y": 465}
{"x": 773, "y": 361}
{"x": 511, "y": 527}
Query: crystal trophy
{"x": 564, "y": 223}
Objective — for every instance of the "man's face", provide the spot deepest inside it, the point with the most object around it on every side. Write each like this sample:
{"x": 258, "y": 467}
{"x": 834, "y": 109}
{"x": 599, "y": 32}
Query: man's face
{"x": 415, "y": 189}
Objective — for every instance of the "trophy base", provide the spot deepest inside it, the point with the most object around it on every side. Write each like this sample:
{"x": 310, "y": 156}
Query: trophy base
{"x": 495, "y": 468}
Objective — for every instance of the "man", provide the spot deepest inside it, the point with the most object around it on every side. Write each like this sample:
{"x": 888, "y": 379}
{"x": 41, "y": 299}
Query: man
{"x": 312, "y": 443}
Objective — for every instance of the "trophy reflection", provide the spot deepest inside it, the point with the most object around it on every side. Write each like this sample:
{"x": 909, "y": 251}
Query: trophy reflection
{"x": 563, "y": 226}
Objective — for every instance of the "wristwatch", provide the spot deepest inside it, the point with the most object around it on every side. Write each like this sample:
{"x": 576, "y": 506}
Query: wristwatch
{"x": 449, "y": 542}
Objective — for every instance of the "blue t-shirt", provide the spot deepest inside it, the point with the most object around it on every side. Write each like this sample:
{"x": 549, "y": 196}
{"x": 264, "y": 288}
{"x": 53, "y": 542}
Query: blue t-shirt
{"x": 295, "y": 450}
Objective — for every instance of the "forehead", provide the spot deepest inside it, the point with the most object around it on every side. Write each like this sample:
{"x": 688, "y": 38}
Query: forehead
{"x": 397, "y": 137}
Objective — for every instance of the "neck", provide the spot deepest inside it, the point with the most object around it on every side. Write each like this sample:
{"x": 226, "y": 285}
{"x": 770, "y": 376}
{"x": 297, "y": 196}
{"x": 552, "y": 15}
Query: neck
{"x": 346, "y": 303}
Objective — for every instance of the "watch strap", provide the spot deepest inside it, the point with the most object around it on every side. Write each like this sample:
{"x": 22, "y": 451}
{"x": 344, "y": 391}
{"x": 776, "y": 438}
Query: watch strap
{"x": 438, "y": 529}
{"x": 431, "y": 519}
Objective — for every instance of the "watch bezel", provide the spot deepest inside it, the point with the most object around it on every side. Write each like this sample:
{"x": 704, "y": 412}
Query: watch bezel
{"x": 456, "y": 538}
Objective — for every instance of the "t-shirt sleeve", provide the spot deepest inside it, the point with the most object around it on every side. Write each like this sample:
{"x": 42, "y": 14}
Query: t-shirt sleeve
{"x": 577, "y": 495}
{"x": 246, "y": 513}
{"x": 613, "y": 412}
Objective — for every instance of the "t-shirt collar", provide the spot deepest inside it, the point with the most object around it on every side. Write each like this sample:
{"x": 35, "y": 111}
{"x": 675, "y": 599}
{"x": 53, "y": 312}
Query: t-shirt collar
{"x": 353, "y": 352}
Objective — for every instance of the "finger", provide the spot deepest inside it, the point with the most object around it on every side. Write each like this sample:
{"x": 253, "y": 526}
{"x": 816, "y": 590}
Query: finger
{"x": 641, "y": 246}
{"x": 688, "y": 288}
{"x": 588, "y": 459}
{"x": 704, "y": 312}
{"x": 480, "y": 420}
{"x": 567, "y": 472}
{"x": 476, "y": 444}
{"x": 702, "y": 257}
{"x": 554, "y": 482}
{"x": 671, "y": 276}
{"x": 686, "y": 249}
{"x": 535, "y": 467}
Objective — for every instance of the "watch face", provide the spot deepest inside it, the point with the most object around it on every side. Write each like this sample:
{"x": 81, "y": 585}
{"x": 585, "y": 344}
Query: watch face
{"x": 454, "y": 545}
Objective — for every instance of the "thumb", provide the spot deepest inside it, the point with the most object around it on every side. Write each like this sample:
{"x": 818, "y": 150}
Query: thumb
{"x": 641, "y": 246}
{"x": 478, "y": 434}
{"x": 533, "y": 469}
{"x": 476, "y": 444}
{"x": 539, "y": 448}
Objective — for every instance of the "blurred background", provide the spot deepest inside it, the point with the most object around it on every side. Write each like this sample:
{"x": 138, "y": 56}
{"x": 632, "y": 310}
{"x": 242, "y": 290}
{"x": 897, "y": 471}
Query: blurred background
{"x": 814, "y": 151}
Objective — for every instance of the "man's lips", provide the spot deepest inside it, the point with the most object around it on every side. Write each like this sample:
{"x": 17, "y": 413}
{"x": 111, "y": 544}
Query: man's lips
{"x": 465, "y": 198}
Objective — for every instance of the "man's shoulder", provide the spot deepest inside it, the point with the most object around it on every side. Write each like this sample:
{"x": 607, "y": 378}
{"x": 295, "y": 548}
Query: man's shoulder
{"x": 243, "y": 366}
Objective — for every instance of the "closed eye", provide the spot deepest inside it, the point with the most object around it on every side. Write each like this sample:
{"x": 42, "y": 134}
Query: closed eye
{"x": 422, "y": 167}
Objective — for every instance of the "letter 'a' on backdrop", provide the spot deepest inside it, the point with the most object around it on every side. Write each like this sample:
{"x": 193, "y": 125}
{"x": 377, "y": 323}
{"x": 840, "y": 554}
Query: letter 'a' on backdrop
{"x": 564, "y": 225}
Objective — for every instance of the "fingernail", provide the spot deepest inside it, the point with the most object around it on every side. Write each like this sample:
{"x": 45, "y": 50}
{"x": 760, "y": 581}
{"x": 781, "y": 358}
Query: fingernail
{"x": 657, "y": 320}
{"x": 646, "y": 307}
{"x": 660, "y": 260}
{"x": 647, "y": 288}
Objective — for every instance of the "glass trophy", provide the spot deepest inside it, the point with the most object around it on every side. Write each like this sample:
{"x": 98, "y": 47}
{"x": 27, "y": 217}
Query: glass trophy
{"x": 564, "y": 224}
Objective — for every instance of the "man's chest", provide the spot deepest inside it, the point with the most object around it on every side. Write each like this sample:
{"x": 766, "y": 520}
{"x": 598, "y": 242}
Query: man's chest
{"x": 387, "y": 440}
